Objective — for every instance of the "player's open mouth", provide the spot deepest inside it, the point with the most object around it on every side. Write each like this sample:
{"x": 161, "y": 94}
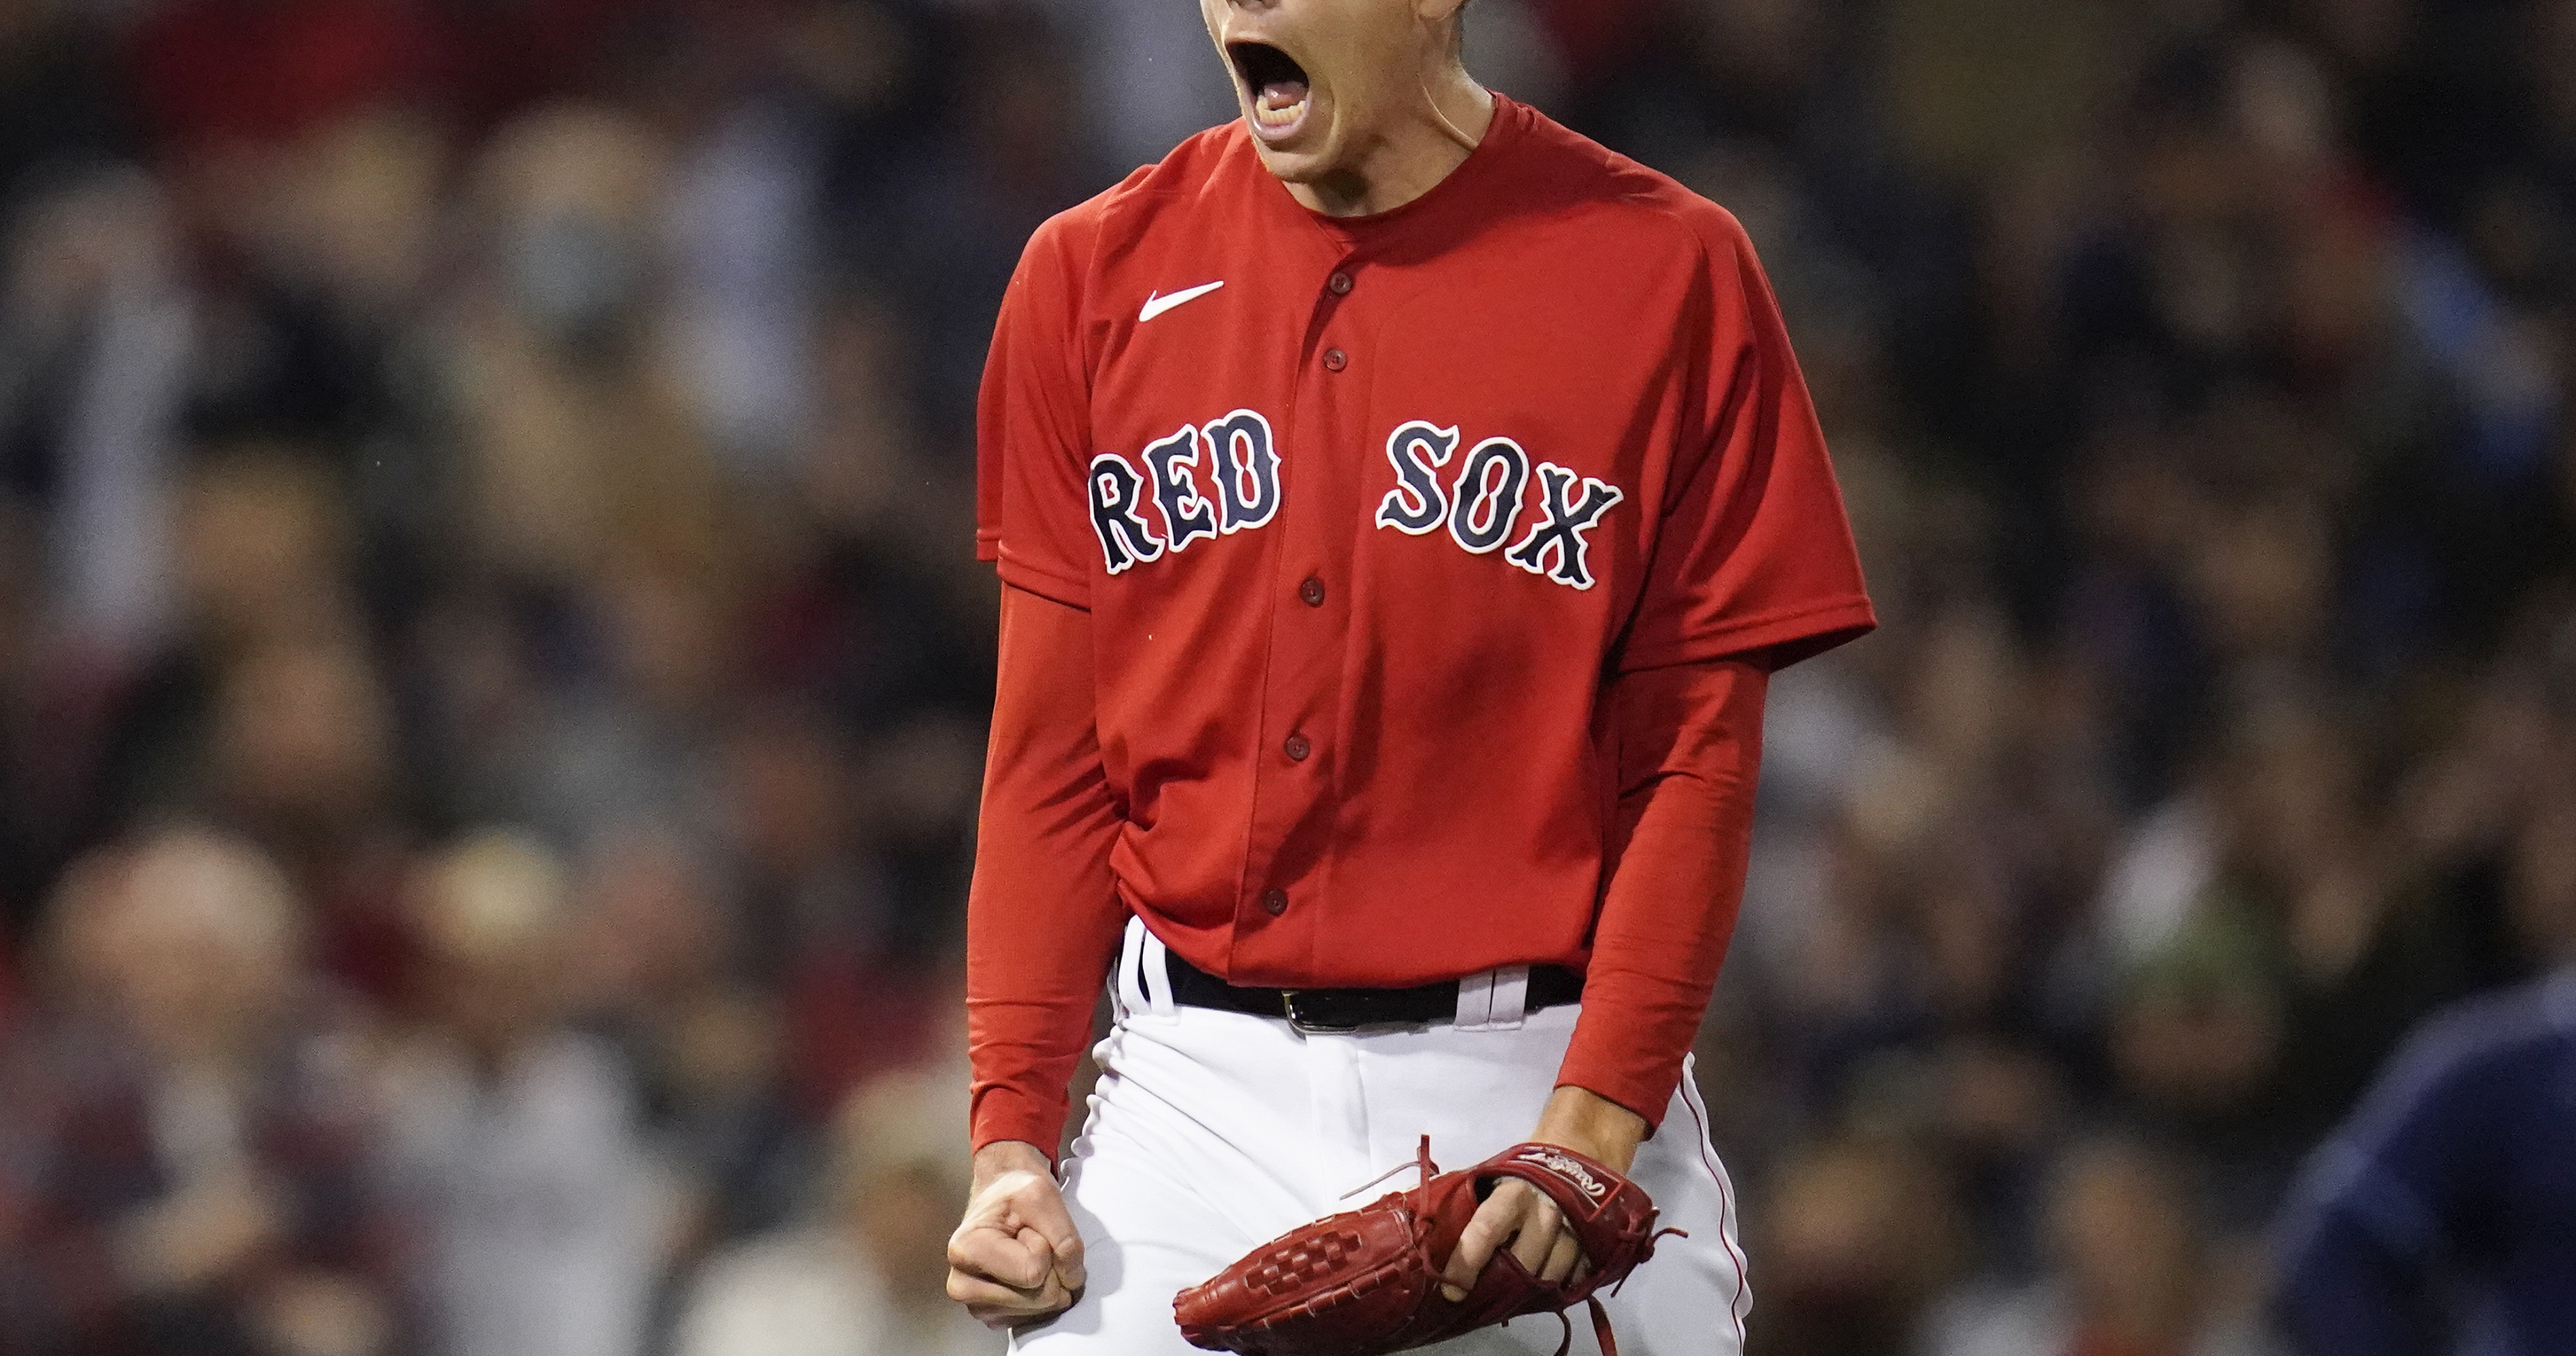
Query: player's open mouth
{"x": 1275, "y": 87}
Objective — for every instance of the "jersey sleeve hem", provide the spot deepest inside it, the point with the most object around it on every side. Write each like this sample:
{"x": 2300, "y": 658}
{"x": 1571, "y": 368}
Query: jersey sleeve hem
{"x": 1789, "y": 635}
{"x": 1020, "y": 572}
{"x": 1634, "y": 1095}
{"x": 1004, "y": 1114}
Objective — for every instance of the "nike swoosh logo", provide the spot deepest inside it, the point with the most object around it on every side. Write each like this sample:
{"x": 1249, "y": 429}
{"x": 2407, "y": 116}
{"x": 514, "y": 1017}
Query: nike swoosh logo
{"x": 1156, "y": 304}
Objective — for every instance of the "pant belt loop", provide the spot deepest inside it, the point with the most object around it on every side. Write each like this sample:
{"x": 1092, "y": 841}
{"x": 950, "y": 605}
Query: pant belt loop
{"x": 1511, "y": 997}
{"x": 1476, "y": 1001}
{"x": 1131, "y": 994}
{"x": 1158, "y": 975}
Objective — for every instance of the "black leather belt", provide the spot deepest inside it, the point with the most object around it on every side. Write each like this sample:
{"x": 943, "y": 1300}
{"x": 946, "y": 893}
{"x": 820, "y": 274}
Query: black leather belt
{"x": 1352, "y": 1009}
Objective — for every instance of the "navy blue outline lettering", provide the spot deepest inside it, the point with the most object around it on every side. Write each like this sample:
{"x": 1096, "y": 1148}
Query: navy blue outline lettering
{"x": 1260, "y": 465}
{"x": 1187, "y": 514}
{"x": 1126, "y": 539}
{"x": 1567, "y": 521}
{"x": 1474, "y": 495}
{"x": 1417, "y": 505}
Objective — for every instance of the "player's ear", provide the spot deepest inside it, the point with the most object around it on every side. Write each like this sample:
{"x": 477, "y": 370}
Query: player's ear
{"x": 1449, "y": 15}
{"x": 1438, "y": 11}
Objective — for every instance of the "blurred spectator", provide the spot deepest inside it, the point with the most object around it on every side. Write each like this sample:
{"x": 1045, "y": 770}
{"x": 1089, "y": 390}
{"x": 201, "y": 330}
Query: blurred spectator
{"x": 202, "y": 1181}
{"x": 869, "y": 1276}
{"x": 944, "y": 234}
{"x": 264, "y": 712}
{"x": 2196, "y": 1036}
{"x": 658, "y": 966}
{"x": 301, "y": 754}
{"x": 217, "y": 76}
{"x": 1860, "y": 1238}
{"x": 518, "y": 1140}
{"x": 579, "y": 443}
{"x": 57, "y": 106}
{"x": 2443, "y": 1216}
{"x": 826, "y": 921}
{"x": 2268, "y": 944}
{"x": 2135, "y": 1271}
{"x": 95, "y": 326}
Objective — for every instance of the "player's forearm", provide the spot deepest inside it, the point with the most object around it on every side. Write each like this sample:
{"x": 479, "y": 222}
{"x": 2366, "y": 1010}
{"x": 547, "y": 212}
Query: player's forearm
{"x": 1035, "y": 960}
{"x": 1042, "y": 915}
{"x": 1592, "y": 1125}
{"x": 1690, "y": 740}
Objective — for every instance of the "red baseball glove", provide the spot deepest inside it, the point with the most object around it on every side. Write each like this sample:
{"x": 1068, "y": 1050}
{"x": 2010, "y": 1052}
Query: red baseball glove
{"x": 1367, "y": 1281}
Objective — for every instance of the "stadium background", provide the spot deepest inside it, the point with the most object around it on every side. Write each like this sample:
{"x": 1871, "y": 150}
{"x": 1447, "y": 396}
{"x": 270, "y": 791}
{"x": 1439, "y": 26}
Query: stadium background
{"x": 492, "y": 671}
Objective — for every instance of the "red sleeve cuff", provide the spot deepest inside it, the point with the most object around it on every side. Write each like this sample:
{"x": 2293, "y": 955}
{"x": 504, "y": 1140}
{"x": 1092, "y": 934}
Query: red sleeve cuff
{"x": 1632, "y": 1099}
{"x": 1644, "y": 1086}
{"x": 1003, "y": 1113}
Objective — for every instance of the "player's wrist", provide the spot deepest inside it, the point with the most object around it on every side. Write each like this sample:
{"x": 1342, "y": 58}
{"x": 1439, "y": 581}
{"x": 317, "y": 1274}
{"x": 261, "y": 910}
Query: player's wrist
{"x": 1592, "y": 1125}
{"x": 1004, "y": 1156}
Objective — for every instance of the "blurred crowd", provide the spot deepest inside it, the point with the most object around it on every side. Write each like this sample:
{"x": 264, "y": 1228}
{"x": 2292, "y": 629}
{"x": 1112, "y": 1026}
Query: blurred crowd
{"x": 493, "y": 674}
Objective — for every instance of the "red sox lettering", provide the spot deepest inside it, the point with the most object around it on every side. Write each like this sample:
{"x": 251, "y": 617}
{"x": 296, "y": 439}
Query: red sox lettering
{"x": 1242, "y": 464}
{"x": 1187, "y": 516}
{"x": 1484, "y": 500}
{"x": 1480, "y": 506}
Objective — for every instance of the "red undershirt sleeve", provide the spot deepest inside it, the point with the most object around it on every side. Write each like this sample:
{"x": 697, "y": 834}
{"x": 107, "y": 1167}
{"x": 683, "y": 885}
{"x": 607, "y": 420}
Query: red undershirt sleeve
{"x": 1689, "y": 752}
{"x": 1043, "y": 914}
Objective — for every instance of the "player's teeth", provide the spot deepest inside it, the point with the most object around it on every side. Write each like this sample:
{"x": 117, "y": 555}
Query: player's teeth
{"x": 1279, "y": 102}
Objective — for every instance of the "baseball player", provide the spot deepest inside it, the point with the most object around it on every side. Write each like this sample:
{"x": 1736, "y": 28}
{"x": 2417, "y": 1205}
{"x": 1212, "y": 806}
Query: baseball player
{"x": 1400, "y": 503}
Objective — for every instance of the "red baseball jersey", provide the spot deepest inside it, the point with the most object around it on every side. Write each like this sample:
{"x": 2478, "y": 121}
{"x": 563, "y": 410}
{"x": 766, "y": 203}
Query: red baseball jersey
{"x": 1366, "y": 512}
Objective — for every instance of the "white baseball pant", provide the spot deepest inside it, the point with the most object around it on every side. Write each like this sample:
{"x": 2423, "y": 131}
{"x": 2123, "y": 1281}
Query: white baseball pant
{"x": 1211, "y": 1132}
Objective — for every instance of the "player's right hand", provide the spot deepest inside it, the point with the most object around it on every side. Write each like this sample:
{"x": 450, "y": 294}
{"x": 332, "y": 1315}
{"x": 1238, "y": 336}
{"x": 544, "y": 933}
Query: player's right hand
{"x": 1016, "y": 1257}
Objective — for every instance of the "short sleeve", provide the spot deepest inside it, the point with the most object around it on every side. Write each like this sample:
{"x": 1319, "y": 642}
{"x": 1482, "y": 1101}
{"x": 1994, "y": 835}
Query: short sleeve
{"x": 1754, "y": 554}
{"x": 1032, "y": 424}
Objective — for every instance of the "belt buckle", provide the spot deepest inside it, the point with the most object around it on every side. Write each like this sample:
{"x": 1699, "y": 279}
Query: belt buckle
{"x": 1288, "y": 1008}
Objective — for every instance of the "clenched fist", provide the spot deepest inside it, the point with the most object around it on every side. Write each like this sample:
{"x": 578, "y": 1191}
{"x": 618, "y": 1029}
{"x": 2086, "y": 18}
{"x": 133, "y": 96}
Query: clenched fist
{"x": 1016, "y": 1257}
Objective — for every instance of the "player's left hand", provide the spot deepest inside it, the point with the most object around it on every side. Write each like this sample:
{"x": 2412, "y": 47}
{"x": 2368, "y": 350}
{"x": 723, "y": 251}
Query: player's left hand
{"x": 1521, "y": 1216}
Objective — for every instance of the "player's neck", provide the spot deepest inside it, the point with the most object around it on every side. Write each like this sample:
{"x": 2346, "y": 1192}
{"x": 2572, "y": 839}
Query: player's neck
{"x": 1408, "y": 157}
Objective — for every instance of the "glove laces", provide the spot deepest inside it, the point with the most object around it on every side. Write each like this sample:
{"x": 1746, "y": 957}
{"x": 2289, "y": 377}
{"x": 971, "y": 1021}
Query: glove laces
{"x": 1422, "y": 1160}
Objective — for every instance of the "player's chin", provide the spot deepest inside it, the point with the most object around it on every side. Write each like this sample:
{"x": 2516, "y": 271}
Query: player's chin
{"x": 1292, "y": 167}
{"x": 1302, "y": 142}
{"x": 1302, "y": 158}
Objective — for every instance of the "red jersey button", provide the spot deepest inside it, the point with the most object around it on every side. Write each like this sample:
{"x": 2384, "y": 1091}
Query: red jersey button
{"x": 1340, "y": 284}
{"x": 1311, "y": 593}
{"x": 1335, "y": 360}
{"x": 1298, "y": 748}
{"x": 1275, "y": 902}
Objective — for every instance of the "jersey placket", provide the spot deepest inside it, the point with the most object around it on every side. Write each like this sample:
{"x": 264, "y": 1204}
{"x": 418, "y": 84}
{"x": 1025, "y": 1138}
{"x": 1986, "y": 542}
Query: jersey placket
{"x": 1285, "y": 884}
